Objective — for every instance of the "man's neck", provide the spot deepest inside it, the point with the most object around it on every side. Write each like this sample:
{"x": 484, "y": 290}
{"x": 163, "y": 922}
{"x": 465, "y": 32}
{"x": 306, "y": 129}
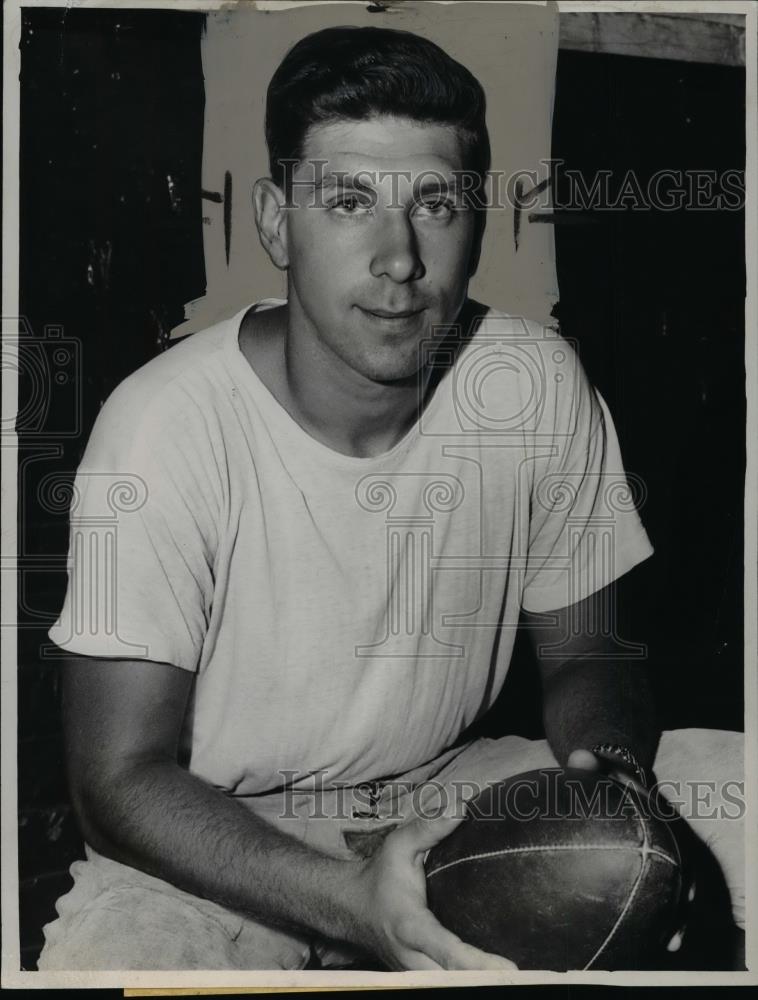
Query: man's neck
{"x": 346, "y": 412}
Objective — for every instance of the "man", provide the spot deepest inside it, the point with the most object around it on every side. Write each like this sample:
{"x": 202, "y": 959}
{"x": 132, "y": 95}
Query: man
{"x": 342, "y": 505}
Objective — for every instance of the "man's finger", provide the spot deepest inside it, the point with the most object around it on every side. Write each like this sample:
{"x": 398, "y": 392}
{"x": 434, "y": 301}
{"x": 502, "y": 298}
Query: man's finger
{"x": 417, "y": 961}
{"x": 445, "y": 948}
{"x": 584, "y": 760}
{"x": 676, "y": 941}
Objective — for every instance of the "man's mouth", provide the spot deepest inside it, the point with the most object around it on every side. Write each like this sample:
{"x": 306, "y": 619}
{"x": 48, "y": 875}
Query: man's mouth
{"x": 392, "y": 314}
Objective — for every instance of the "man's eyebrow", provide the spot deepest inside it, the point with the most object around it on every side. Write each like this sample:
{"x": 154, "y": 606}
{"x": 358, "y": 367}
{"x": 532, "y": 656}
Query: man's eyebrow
{"x": 344, "y": 179}
{"x": 436, "y": 184}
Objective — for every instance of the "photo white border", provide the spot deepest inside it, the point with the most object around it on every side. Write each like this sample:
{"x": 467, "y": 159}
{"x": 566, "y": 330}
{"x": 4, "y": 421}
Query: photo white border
{"x": 11, "y": 976}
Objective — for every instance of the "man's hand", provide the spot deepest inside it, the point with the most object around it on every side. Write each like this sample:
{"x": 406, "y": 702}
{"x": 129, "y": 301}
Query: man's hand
{"x": 586, "y": 760}
{"x": 391, "y": 904}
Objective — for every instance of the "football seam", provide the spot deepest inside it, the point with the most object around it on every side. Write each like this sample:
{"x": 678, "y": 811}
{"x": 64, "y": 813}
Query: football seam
{"x": 646, "y": 851}
{"x": 535, "y": 848}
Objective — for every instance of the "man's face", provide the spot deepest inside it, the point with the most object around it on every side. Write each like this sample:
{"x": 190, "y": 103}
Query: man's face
{"x": 379, "y": 251}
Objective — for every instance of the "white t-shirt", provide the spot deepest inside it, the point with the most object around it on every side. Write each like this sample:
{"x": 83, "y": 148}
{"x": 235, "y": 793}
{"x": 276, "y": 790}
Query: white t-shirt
{"x": 342, "y": 615}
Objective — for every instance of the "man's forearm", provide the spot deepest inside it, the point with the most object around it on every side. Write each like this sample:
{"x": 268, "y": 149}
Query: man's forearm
{"x": 157, "y": 817}
{"x": 594, "y": 701}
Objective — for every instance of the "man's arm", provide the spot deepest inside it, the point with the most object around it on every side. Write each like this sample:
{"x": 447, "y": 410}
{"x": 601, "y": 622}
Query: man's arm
{"x": 591, "y": 694}
{"x": 137, "y": 805}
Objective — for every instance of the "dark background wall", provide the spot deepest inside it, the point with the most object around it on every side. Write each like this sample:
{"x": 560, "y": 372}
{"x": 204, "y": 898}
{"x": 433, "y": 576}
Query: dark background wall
{"x": 112, "y": 106}
{"x": 112, "y": 117}
{"x": 656, "y": 301}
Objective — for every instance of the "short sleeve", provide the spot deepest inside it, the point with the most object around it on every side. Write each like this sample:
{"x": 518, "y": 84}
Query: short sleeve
{"x": 144, "y": 518}
{"x": 585, "y": 530}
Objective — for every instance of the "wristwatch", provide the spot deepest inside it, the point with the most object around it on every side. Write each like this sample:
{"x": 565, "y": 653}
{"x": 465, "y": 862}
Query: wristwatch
{"x": 624, "y": 754}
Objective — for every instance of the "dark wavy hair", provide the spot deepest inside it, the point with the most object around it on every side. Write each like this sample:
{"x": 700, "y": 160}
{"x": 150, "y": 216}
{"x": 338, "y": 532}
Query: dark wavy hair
{"x": 351, "y": 74}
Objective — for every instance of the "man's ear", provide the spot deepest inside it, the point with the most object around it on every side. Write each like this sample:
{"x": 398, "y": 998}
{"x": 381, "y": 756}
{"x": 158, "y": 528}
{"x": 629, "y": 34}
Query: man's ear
{"x": 270, "y": 205}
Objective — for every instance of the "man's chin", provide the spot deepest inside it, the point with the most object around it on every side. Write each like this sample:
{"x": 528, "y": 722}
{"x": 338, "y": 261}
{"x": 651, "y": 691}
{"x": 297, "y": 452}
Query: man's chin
{"x": 397, "y": 382}
{"x": 392, "y": 379}
{"x": 398, "y": 363}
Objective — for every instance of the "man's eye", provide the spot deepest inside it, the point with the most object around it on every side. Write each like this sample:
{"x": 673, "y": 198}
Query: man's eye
{"x": 436, "y": 207}
{"x": 351, "y": 204}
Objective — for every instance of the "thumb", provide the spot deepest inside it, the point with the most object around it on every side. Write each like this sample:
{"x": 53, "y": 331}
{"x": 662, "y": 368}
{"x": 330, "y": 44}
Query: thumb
{"x": 584, "y": 760}
{"x": 425, "y": 833}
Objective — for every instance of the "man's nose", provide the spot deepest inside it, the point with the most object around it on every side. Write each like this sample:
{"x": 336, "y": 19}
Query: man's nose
{"x": 396, "y": 252}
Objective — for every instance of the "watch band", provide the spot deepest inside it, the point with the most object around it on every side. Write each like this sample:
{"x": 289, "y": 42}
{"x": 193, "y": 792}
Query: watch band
{"x": 624, "y": 754}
